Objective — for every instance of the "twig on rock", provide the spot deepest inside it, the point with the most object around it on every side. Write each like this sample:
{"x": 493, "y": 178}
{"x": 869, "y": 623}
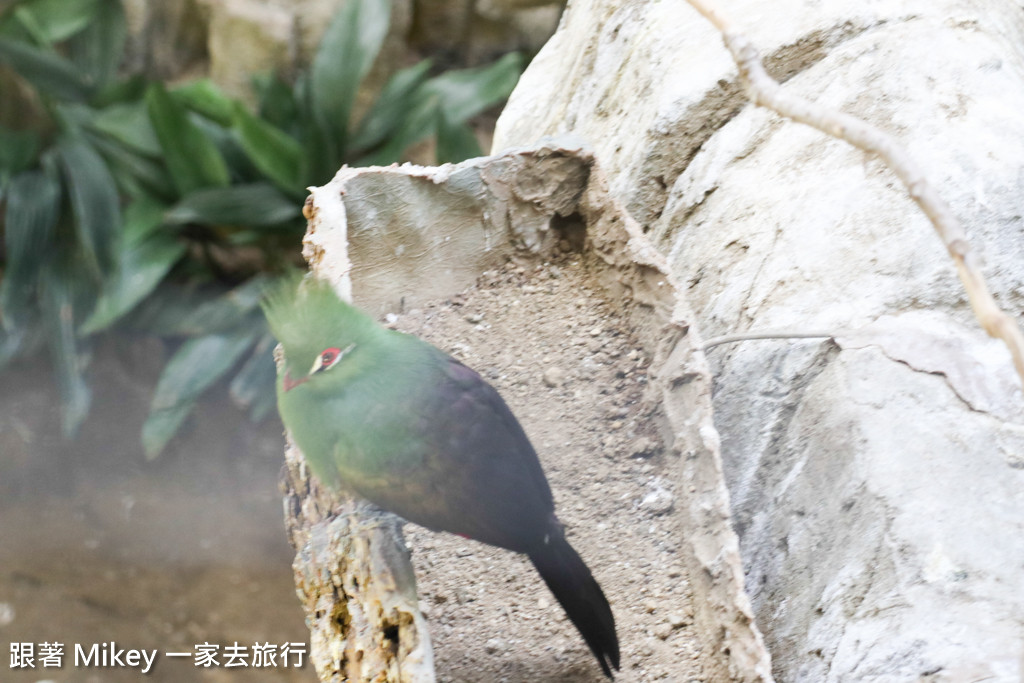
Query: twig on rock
{"x": 764, "y": 91}
{"x": 767, "y": 334}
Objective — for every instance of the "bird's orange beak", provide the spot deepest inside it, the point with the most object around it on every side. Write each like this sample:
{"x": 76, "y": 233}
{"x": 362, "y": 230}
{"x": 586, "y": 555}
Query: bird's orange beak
{"x": 288, "y": 383}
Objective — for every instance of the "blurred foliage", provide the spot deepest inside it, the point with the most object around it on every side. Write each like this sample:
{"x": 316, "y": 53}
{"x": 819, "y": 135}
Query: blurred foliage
{"x": 167, "y": 211}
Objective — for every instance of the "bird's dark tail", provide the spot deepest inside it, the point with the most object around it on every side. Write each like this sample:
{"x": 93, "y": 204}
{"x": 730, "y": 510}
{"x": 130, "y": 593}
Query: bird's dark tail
{"x": 582, "y": 598}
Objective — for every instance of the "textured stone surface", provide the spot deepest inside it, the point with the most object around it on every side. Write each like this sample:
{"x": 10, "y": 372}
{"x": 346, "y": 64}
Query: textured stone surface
{"x": 167, "y": 38}
{"x": 877, "y": 481}
{"x": 476, "y": 31}
{"x": 247, "y": 37}
{"x": 231, "y": 40}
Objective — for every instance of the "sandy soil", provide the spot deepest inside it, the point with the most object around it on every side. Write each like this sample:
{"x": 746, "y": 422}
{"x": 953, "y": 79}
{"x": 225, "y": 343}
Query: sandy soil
{"x": 567, "y": 367}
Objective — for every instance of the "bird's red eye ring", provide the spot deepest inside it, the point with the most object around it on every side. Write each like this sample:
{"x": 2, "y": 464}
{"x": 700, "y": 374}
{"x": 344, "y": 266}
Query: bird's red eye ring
{"x": 329, "y": 357}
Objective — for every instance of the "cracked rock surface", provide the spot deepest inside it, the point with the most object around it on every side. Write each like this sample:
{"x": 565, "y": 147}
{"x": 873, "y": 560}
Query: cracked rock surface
{"x": 877, "y": 481}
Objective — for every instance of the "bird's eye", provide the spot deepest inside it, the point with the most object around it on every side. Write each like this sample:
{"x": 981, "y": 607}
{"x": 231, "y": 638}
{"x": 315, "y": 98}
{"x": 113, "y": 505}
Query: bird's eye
{"x": 329, "y": 357}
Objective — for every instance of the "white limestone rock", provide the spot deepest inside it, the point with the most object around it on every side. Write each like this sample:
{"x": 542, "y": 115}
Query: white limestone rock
{"x": 877, "y": 482}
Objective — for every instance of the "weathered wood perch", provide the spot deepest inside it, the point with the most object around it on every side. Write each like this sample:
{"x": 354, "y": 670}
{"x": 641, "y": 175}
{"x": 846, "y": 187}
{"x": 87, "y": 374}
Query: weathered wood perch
{"x": 356, "y": 585}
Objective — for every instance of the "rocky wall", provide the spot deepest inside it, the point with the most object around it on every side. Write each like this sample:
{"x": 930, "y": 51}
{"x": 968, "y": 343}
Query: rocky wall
{"x": 876, "y": 478}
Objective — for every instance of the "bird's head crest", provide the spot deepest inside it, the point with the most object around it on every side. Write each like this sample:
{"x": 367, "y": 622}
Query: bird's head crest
{"x": 307, "y": 317}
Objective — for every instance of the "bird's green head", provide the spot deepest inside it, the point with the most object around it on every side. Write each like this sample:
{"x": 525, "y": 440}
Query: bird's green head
{"x": 316, "y": 328}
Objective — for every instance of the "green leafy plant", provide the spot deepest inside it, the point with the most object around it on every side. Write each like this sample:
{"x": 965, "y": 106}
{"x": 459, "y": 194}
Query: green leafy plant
{"x": 167, "y": 211}
{"x": 62, "y": 218}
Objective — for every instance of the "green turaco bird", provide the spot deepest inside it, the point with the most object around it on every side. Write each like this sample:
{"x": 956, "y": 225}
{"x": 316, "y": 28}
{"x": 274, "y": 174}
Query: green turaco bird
{"x": 414, "y": 431}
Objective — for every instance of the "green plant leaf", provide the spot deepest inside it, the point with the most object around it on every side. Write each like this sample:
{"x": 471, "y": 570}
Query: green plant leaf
{"x": 99, "y": 48}
{"x": 46, "y": 71}
{"x": 58, "y": 295}
{"x": 240, "y": 167}
{"x": 18, "y": 150}
{"x": 455, "y": 95}
{"x": 71, "y": 117}
{"x": 161, "y": 426}
{"x": 250, "y": 205}
{"x": 147, "y": 255}
{"x": 264, "y": 404}
{"x": 11, "y": 344}
{"x": 137, "y": 175}
{"x": 276, "y": 99}
{"x": 345, "y": 55}
{"x": 419, "y": 122}
{"x": 391, "y": 106}
{"x": 275, "y": 153}
{"x": 142, "y": 268}
{"x": 455, "y": 141}
{"x": 177, "y": 311}
{"x": 321, "y": 157}
{"x": 120, "y": 91}
{"x": 254, "y": 383}
{"x": 203, "y": 96}
{"x": 128, "y": 123}
{"x": 94, "y": 200}
{"x": 23, "y": 26}
{"x": 142, "y": 219}
{"x": 190, "y": 371}
{"x": 192, "y": 158}
{"x": 33, "y": 206}
{"x": 173, "y": 310}
{"x": 464, "y": 93}
{"x": 55, "y": 20}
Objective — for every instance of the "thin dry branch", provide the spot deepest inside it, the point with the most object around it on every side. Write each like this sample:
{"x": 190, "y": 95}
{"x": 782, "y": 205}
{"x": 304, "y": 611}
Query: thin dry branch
{"x": 767, "y": 334}
{"x": 766, "y": 92}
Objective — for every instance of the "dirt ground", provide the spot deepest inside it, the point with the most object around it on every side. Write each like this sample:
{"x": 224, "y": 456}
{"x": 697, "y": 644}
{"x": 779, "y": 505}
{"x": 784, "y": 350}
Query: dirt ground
{"x": 566, "y": 365}
{"x": 96, "y": 545}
